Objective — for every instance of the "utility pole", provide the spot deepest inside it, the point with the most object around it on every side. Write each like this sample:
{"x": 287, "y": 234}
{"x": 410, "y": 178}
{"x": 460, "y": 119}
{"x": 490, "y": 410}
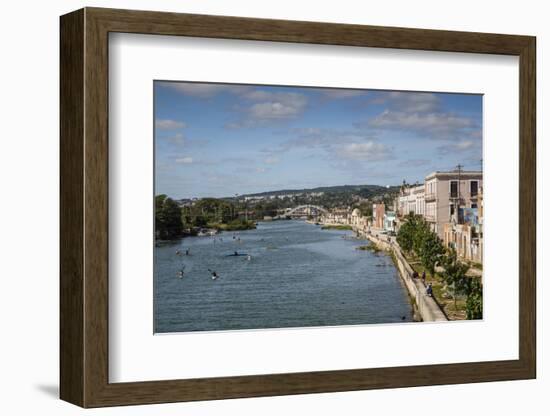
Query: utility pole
{"x": 459, "y": 169}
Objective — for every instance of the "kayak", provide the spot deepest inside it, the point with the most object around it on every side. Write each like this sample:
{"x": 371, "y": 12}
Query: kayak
{"x": 236, "y": 255}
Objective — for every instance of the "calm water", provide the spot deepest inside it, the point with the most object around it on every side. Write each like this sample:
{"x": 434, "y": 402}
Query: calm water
{"x": 298, "y": 276}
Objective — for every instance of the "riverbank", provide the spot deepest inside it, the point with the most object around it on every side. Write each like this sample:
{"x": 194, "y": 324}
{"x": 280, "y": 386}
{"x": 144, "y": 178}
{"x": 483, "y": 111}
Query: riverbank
{"x": 425, "y": 306}
{"x": 238, "y": 225}
{"x": 339, "y": 227}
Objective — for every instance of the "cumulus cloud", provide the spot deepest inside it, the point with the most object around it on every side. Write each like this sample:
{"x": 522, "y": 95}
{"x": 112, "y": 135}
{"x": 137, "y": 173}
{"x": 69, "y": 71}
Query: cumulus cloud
{"x": 414, "y": 162}
{"x": 272, "y": 106}
{"x": 413, "y": 102}
{"x": 343, "y": 147}
{"x": 260, "y": 107}
{"x": 342, "y": 93}
{"x": 177, "y": 138}
{"x": 185, "y": 160}
{"x": 165, "y": 124}
{"x": 459, "y": 146}
{"x": 421, "y": 114}
{"x": 433, "y": 125}
{"x": 366, "y": 151}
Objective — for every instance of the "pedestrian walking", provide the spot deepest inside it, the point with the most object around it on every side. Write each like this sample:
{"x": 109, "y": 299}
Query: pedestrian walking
{"x": 429, "y": 290}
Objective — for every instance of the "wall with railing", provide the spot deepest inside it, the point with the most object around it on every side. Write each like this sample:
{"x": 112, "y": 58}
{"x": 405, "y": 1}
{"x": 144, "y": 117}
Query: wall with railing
{"x": 426, "y": 306}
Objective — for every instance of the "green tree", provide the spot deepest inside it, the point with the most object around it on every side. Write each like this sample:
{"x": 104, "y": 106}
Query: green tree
{"x": 168, "y": 223}
{"x": 430, "y": 249}
{"x": 454, "y": 274}
{"x": 408, "y": 232}
{"x": 474, "y": 302}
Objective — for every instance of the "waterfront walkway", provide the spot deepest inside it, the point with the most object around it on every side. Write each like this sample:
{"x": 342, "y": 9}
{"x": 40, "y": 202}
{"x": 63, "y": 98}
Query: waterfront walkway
{"x": 426, "y": 306}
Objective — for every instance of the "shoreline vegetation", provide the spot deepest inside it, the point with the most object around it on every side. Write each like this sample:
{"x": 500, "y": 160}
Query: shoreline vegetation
{"x": 207, "y": 217}
{"x": 339, "y": 227}
{"x": 457, "y": 290}
{"x": 371, "y": 247}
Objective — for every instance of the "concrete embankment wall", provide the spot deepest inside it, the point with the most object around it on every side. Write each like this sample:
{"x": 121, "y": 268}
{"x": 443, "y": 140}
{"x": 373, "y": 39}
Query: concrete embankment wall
{"x": 426, "y": 307}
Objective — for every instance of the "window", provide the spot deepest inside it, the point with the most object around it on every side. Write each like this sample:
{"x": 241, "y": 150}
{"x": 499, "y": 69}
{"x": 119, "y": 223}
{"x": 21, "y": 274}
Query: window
{"x": 473, "y": 188}
{"x": 474, "y": 205}
{"x": 454, "y": 189}
{"x": 452, "y": 210}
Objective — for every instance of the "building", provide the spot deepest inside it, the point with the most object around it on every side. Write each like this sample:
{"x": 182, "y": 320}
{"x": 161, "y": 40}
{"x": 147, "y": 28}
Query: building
{"x": 356, "y": 217}
{"x": 378, "y": 211}
{"x": 389, "y": 221}
{"x": 411, "y": 200}
{"x": 449, "y": 196}
{"x": 336, "y": 216}
{"x": 465, "y": 239}
{"x": 466, "y": 236}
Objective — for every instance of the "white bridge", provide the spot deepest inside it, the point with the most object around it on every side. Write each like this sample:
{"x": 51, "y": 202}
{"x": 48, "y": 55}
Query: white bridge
{"x": 305, "y": 211}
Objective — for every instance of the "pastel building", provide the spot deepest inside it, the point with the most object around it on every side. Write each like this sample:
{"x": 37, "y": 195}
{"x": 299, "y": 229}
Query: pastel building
{"x": 449, "y": 196}
{"x": 378, "y": 211}
{"x": 389, "y": 221}
{"x": 411, "y": 200}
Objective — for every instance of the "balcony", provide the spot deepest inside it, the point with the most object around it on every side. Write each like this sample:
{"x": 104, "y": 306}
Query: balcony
{"x": 430, "y": 197}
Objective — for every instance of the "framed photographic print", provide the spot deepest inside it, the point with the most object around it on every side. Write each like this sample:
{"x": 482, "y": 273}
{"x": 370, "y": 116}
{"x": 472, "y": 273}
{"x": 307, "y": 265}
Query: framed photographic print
{"x": 255, "y": 207}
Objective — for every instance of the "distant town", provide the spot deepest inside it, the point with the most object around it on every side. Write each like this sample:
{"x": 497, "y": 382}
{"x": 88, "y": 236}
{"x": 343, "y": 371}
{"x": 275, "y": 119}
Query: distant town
{"x": 451, "y": 202}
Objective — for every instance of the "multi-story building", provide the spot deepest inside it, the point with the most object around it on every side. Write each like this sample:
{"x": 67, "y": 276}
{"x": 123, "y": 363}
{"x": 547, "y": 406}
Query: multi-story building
{"x": 390, "y": 221}
{"x": 378, "y": 211}
{"x": 449, "y": 195}
{"x": 411, "y": 200}
{"x": 336, "y": 216}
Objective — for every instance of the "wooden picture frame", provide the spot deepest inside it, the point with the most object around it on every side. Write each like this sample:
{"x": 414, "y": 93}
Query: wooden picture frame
{"x": 84, "y": 207}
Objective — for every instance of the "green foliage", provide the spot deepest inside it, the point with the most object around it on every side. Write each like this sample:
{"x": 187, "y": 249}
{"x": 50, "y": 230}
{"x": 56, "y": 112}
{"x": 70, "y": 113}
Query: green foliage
{"x": 474, "y": 302}
{"x": 459, "y": 283}
{"x": 415, "y": 236}
{"x": 340, "y": 227}
{"x": 371, "y": 247}
{"x": 365, "y": 208}
{"x": 408, "y": 232}
{"x": 430, "y": 250}
{"x": 235, "y": 225}
{"x": 168, "y": 223}
{"x": 454, "y": 275}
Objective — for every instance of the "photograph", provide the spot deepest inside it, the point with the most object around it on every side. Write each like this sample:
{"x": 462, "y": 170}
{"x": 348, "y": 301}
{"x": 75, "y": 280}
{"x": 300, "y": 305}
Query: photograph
{"x": 302, "y": 206}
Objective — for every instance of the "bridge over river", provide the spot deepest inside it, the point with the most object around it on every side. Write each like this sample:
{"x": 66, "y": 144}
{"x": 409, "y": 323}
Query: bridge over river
{"x": 304, "y": 211}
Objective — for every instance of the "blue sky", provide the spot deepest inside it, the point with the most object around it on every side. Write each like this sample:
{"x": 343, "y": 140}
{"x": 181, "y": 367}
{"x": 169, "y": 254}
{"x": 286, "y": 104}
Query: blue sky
{"x": 225, "y": 139}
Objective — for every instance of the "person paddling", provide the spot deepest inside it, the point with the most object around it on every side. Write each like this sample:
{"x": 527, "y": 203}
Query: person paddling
{"x": 214, "y": 274}
{"x": 181, "y": 272}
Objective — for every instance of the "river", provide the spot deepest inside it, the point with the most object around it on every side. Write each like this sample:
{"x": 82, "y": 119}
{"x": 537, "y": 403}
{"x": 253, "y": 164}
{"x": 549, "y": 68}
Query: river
{"x": 298, "y": 276}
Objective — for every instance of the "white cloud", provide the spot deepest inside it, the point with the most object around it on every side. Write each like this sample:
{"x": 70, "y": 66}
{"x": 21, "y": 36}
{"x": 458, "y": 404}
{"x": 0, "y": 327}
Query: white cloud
{"x": 275, "y": 106}
{"x": 177, "y": 138}
{"x": 341, "y": 93}
{"x": 165, "y": 124}
{"x": 260, "y": 107}
{"x": 460, "y": 146}
{"x": 410, "y": 102}
{"x": 434, "y": 125}
{"x": 367, "y": 151}
{"x": 272, "y": 160}
{"x": 185, "y": 160}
